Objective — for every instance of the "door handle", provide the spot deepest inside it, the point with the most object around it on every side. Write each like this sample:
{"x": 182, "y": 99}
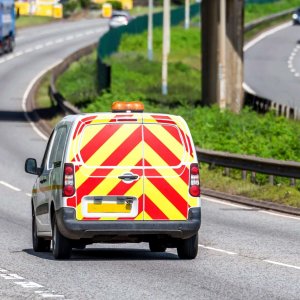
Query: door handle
{"x": 43, "y": 180}
{"x": 128, "y": 177}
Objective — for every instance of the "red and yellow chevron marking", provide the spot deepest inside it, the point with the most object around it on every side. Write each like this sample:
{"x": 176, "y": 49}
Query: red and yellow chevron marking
{"x": 160, "y": 154}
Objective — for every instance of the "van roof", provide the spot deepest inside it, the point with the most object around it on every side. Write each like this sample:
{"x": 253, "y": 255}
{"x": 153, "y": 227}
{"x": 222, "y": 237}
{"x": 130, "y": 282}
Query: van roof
{"x": 115, "y": 117}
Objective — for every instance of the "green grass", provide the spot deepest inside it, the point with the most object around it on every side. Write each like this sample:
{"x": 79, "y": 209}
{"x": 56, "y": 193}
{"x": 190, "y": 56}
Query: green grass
{"x": 26, "y": 21}
{"x": 78, "y": 84}
{"x": 278, "y": 193}
{"x": 256, "y": 11}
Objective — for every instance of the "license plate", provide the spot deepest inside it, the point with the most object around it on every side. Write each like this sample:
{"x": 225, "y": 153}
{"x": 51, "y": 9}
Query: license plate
{"x": 109, "y": 208}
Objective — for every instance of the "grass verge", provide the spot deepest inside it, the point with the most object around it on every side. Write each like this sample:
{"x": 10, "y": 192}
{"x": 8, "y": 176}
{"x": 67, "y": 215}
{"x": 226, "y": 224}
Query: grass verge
{"x": 27, "y": 21}
{"x": 257, "y": 11}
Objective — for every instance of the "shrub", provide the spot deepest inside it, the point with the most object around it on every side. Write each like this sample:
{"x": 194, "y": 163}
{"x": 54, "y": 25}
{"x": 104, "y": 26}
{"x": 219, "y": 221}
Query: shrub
{"x": 117, "y": 5}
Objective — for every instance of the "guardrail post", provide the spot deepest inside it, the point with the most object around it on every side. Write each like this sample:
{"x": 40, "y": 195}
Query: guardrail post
{"x": 227, "y": 172}
{"x": 295, "y": 113}
{"x": 271, "y": 179}
{"x": 287, "y": 112}
{"x": 244, "y": 175}
{"x": 293, "y": 181}
{"x": 253, "y": 177}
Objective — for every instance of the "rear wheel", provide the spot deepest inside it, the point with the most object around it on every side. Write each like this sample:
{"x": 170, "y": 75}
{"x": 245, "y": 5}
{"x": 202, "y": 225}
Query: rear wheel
{"x": 188, "y": 249}
{"x": 39, "y": 244}
{"x": 61, "y": 246}
{"x": 11, "y": 44}
{"x": 156, "y": 246}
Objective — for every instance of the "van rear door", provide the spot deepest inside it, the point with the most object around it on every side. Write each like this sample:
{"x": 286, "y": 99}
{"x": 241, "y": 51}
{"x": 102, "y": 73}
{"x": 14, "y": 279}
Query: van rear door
{"x": 109, "y": 172}
{"x": 166, "y": 183}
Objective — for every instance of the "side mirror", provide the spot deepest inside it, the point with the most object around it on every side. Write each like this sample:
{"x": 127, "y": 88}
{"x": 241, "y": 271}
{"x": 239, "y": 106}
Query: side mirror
{"x": 31, "y": 166}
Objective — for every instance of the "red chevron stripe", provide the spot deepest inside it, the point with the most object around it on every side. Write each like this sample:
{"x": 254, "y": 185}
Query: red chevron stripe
{"x": 125, "y": 148}
{"x": 89, "y": 185}
{"x": 80, "y": 125}
{"x": 98, "y": 140}
{"x": 153, "y": 211}
{"x": 170, "y": 193}
{"x": 165, "y": 153}
{"x": 160, "y": 117}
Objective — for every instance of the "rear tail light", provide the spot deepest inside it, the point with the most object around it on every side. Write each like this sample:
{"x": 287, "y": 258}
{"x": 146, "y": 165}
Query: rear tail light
{"x": 194, "y": 181}
{"x": 68, "y": 181}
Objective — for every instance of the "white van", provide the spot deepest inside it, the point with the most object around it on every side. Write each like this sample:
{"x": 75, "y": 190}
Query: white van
{"x": 125, "y": 176}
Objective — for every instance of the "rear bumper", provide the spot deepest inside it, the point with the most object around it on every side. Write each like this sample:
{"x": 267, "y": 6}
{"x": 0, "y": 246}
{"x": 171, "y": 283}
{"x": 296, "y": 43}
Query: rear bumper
{"x": 74, "y": 229}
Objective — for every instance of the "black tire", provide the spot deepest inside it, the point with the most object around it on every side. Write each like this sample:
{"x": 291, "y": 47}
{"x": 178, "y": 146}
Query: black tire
{"x": 38, "y": 244}
{"x": 11, "y": 44}
{"x": 156, "y": 246}
{"x": 188, "y": 249}
{"x": 61, "y": 246}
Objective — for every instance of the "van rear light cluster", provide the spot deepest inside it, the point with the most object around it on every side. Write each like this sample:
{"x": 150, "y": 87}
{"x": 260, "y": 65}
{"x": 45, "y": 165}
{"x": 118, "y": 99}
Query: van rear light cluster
{"x": 194, "y": 181}
{"x": 68, "y": 181}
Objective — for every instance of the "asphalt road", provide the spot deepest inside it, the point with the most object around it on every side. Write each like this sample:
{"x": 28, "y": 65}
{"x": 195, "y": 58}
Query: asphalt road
{"x": 272, "y": 67}
{"x": 244, "y": 253}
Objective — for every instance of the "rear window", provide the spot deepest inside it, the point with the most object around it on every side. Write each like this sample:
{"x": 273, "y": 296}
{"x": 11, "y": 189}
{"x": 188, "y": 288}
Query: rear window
{"x": 163, "y": 145}
{"x": 110, "y": 145}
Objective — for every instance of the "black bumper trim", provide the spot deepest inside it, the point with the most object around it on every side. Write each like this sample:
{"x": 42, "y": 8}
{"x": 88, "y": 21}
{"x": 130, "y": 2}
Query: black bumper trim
{"x": 74, "y": 229}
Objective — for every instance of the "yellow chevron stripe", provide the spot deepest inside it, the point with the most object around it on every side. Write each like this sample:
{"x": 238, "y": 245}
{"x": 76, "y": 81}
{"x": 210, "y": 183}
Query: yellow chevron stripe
{"x": 167, "y": 173}
{"x": 162, "y": 202}
{"x": 86, "y": 139}
{"x": 109, "y": 183}
{"x": 111, "y": 145}
{"x": 147, "y": 217}
{"x": 130, "y": 160}
{"x": 140, "y": 217}
{"x": 79, "y": 215}
{"x": 167, "y": 139}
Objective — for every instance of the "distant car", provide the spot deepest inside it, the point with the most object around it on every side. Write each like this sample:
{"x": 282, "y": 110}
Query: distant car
{"x": 119, "y": 18}
{"x": 296, "y": 17}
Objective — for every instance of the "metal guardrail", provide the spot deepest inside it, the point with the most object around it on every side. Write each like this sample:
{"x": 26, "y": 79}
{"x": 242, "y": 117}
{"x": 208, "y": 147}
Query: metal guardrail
{"x": 252, "y": 25}
{"x": 55, "y": 96}
{"x": 281, "y": 168}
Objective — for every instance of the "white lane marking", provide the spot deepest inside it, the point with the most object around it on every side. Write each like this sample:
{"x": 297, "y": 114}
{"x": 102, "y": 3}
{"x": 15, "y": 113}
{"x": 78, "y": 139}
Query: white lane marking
{"x": 10, "y": 186}
{"x": 38, "y": 47}
{"x": 281, "y": 264}
{"x": 19, "y": 53}
{"x": 27, "y": 194}
{"x": 281, "y": 215}
{"x": 11, "y": 276}
{"x": 266, "y": 34}
{"x": 217, "y": 250}
{"x": 258, "y": 39}
{"x": 28, "y": 284}
{"x": 223, "y": 202}
{"x": 3, "y": 270}
{"x": 47, "y": 44}
{"x": 36, "y": 288}
{"x": 35, "y": 128}
{"x": 248, "y": 89}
